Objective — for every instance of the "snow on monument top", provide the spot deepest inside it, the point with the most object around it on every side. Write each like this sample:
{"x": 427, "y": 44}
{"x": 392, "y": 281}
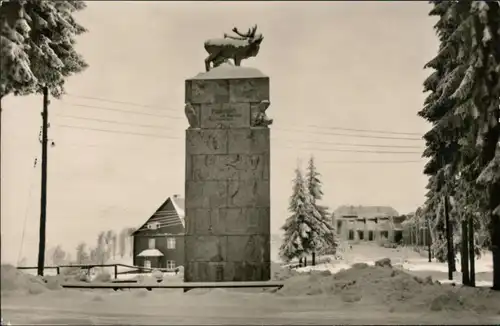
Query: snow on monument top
{"x": 228, "y": 71}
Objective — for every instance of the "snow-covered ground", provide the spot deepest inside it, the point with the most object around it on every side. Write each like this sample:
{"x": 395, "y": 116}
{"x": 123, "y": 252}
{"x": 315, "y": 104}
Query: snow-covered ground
{"x": 402, "y": 258}
{"x": 357, "y": 296}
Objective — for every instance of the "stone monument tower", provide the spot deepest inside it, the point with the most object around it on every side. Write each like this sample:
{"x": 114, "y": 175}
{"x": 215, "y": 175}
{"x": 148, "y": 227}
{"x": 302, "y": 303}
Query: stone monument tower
{"x": 227, "y": 190}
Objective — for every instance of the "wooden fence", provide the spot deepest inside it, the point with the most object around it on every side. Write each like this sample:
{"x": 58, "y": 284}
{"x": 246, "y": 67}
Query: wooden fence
{"x": 134, "y": 269}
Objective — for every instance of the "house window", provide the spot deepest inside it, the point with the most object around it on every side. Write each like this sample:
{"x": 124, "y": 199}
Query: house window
{"x": 151, "y": 243}
{"x": 153, "y": 225}
{"x": 170, "y": 264}
{"x": 170, "y": 243}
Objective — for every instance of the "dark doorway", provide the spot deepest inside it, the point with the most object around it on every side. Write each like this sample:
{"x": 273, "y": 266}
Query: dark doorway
{"x": 384, "y": 234}
{"x": 351, "y": 235}
{"x": 361, "y": 235}
{"x": 370, "y": 235}
{"x": 339, "y": 227}
{"x": 398, "y": 236}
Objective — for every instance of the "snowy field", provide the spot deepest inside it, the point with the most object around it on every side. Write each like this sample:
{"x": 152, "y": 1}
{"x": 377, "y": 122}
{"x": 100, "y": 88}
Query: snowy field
{"x": 358, "y": 295}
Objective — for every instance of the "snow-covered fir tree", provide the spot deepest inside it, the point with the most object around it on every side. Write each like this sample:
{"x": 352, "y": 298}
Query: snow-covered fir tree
{"x": 37, "y": 45}
{"x": 477, "y": 103}
{"x": 298, "y": 231}
{"x": 464, "y": 108}
{"x": 442, "y": 145}
{"x": 326, "y": 241}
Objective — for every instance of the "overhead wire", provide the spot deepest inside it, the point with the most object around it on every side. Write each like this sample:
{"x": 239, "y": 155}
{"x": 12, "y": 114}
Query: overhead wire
{"x": 155, "y": 126}
{"x": 117, "y": 131}
{"x": 120, "y": 102}
{"x": 311, "y": 125}
{"x": 178, "y": 138}
{"x": 372, "y": 162}
{"x": 322, "y": 132}
{"x": 348, "y": 135}
{"x": 26, "y": 211}
{"x": 112, "y": 122}
{"x": 123, "y": 111}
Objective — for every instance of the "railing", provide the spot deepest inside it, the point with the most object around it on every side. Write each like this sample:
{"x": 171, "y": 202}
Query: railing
{"x": 135, "y": 269}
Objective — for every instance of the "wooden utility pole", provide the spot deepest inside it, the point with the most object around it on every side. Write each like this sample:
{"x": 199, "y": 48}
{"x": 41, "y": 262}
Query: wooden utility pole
{"x": 43, "y": 196}
{"x": 472, "y": 253}
{"x": 1, "y": 97}
{"x": 449, "y": 239}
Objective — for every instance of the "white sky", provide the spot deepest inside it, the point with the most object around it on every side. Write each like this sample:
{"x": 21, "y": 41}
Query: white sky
{"x": 333, "y": 64}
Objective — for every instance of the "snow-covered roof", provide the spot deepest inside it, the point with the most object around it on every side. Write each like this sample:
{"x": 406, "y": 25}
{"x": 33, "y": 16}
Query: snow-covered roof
{"x": 166, "y": 217}
{"x": 365, "y": 211}
{"x": 178, "y": 203}
{"x": 150, "y": 253}
{"x": 228, "y": 71}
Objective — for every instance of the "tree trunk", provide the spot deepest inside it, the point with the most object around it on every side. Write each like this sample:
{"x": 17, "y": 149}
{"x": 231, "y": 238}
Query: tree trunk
{"x": 464, "y": 259}
{"x": 492, "y": 139}
{"x": 305, "y": 261}
{"x": 496, "y": 256}
{"x": 472, "y": 253}
{"x": 449, "y": 240}
{"x": 300, "y": 261}
{"x": 495, "y": 243}
{"x": 314, "y": 258}
{"x": 429, "y": 242}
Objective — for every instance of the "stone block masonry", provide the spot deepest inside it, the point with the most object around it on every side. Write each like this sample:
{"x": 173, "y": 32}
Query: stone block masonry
{"x": 227, "y": 189}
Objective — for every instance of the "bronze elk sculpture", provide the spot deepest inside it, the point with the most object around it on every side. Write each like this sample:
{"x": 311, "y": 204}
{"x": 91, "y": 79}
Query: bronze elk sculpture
{"x": 237, "y": 48}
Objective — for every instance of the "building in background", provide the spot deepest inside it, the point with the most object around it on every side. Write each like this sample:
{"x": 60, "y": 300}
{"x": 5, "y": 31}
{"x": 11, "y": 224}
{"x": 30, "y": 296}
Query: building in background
{"x": 368, "y": 223}
{"x": 159, "y": 242}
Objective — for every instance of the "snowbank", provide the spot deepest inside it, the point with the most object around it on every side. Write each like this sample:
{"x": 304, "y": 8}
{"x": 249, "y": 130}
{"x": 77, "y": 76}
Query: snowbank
{"x": 14, "y": 281}
{"x": 483, "y": 265}
{"x": 392, "y": 287}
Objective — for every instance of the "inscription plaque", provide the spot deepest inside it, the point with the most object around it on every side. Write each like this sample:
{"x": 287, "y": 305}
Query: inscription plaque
{"x": 227, "y": 115}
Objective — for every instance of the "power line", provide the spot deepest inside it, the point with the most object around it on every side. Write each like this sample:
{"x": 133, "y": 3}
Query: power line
{"x": 178, "y": 138}
{"x": 347, "y": 135}
{"x": 154, "y": 126}
{"x": 350, "y": 144}
{"x": 353, "y": 151}
{"x": 123, "y": 111}
{"x": 113, "y": 122}
{"x": 78, "y": 145}
{"x": 368, "y": 130}
{"x": 118, "y": 132}
{"x": 285, "y": 129}
{"x": 120, "y": 102}
{"x": 312, "y": 125}
{"x": 26, "y": 211}
{"x": 371, "y": 162}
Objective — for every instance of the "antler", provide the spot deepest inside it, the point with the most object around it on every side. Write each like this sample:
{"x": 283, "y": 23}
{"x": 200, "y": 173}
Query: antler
{"x": 235, "y": 30}
{"x": 249, "y": 34}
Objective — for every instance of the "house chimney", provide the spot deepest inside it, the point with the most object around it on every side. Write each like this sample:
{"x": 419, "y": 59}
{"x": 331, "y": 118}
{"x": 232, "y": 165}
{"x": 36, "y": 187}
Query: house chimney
{"x": 176, "y": 195}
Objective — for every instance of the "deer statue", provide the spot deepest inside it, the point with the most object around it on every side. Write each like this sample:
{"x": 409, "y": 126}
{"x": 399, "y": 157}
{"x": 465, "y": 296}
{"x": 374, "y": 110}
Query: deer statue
{"x": 237, "y": 48}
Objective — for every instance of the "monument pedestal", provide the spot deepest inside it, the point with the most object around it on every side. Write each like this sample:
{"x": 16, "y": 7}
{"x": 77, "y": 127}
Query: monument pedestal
{"x": 227, "y": 190}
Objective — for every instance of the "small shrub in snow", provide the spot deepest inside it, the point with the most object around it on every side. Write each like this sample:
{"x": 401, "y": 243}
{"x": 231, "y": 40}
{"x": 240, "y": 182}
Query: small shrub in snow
{"x": 384, "y": 262}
